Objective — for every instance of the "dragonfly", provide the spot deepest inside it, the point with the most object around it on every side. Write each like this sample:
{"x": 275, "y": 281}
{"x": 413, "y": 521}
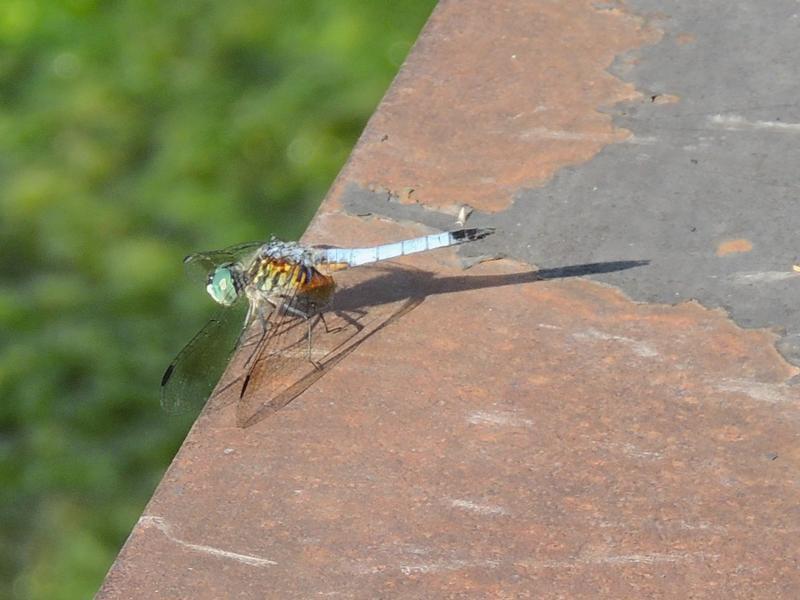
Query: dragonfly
{"x": 279, "y": 293}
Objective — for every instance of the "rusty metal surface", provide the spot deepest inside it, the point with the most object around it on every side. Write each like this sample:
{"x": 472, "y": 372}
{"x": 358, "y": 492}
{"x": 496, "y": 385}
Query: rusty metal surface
{"x": 518, "y": 434}
{"x": 498, "y": 98}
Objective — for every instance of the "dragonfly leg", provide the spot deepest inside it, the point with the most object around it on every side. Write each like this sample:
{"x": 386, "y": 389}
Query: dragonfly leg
{"x": 261, "y": 312}
{"x": 263, "y": 319}
{"x": 308, "y": 312}
{"x": 309, "y": 356}
{"x": 308, "y": 315}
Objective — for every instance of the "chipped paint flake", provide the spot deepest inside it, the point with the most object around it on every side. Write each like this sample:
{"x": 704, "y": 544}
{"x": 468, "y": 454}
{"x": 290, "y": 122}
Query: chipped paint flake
{"x": 543, "y": 133}
{"x": 644, "y": 559}
{"x": 457, "y": 564}
{"x": 740, "y": 123}
{"x": 447, "y": 565}
{"x": 502, "y": 419}
{"x": 481, "y": 509}
{"x": 161, "y": 524}
{"x": 749, "y": 277}
{"x": 736, "y": 246}
{"x": 635, "y": 452}
{"x": 639, "y": 348}
{"x": 772, "y": 393}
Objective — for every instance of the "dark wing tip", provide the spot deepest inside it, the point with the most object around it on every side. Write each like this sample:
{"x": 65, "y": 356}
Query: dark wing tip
{"x": 167, "y": 375}
{"x": 244, "y": 386}
{"x": 470, "y": 235}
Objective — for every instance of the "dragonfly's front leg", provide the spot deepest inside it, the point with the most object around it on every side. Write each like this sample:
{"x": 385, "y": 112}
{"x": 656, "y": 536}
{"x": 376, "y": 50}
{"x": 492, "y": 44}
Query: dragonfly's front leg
{"x": 261, "y": 311}
{"x": 309, "y": 357}
{"x": 307, "y": 312}
{"x": 309, "y": 316}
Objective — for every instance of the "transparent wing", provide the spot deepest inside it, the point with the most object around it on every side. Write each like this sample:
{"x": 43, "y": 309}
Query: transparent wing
{"x": 282, "y": 356}
{"x": 192, "y": 375}
{"x": 276, "y": 367}
{"x": 199, "y": 264}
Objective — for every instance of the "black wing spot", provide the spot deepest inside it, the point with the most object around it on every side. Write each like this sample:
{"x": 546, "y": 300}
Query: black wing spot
{"x": 167, "y": 374}
{"x": 470, "y": 235}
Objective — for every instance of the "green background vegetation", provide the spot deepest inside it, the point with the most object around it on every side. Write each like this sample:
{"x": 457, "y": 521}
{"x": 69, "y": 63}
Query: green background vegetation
{"x": 130, "y": 134}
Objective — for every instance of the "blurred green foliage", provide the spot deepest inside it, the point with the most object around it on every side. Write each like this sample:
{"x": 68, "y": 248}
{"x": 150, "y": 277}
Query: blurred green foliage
{"x": 130, "y": 134}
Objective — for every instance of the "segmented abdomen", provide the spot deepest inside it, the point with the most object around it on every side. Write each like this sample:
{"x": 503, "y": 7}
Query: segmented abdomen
{"x": 355, "y": 257}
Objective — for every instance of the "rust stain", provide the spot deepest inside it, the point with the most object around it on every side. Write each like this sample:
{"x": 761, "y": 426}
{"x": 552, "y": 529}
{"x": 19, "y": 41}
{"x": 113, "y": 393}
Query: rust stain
{"x": 601, "y": 443}
{"x": 736, "y": 246}
{"x": 517, "y": 99}
{"x": 682, "y": 39}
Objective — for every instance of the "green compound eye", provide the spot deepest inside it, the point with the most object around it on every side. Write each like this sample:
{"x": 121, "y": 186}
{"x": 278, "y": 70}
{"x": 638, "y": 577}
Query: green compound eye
{"x": 222, "y": 287}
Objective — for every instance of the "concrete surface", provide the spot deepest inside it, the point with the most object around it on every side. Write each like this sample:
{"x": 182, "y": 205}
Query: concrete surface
{"x": 570, "y": 421}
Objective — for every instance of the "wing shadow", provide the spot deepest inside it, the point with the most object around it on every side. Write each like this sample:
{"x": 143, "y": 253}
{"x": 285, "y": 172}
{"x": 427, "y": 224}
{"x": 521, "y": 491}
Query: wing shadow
{"x": 374, "y": 299}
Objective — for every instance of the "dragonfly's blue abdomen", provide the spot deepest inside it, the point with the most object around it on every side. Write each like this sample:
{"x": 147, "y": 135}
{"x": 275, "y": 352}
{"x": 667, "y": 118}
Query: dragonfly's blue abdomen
{"x": 355, "y": 257}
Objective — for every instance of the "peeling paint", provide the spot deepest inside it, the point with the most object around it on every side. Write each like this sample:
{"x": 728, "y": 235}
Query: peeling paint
{"x": 751, "y": 277}
{"x": 529, "y": 86}
{"x": 740, "y": 123}
{"x": 734, "y": 247}
{"x": 481, "y": 509}
{"x": 772, "y": 393}
{"x": 482, "y": 417}
{"x": 639, "y": 348}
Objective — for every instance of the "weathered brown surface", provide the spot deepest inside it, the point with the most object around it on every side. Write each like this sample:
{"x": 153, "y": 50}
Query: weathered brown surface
{"x": 497, "y": 97}
{"x": 509, "y": 437}
{"x": 506, "y": 439}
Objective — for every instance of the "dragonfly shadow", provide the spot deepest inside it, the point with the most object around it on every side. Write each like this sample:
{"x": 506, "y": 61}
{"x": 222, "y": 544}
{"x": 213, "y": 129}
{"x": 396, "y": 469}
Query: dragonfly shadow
{"x": 369, "y": 300}
{"x": 398, "y": 282}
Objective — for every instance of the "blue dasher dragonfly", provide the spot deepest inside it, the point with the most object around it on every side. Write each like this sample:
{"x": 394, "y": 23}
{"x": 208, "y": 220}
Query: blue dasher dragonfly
{"x": 279, "y": 292}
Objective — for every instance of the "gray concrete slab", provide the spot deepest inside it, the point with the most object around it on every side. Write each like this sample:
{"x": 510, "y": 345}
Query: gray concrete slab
{"x": 707, "y": 187}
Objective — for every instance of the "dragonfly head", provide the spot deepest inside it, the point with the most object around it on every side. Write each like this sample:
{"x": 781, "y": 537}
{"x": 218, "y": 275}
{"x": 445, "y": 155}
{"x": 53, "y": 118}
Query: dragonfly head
{"x": 225, "y": 284}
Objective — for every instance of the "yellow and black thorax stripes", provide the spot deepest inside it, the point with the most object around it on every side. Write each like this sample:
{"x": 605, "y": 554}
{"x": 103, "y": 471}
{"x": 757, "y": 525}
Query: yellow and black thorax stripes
{"x": 273, "y": 275}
